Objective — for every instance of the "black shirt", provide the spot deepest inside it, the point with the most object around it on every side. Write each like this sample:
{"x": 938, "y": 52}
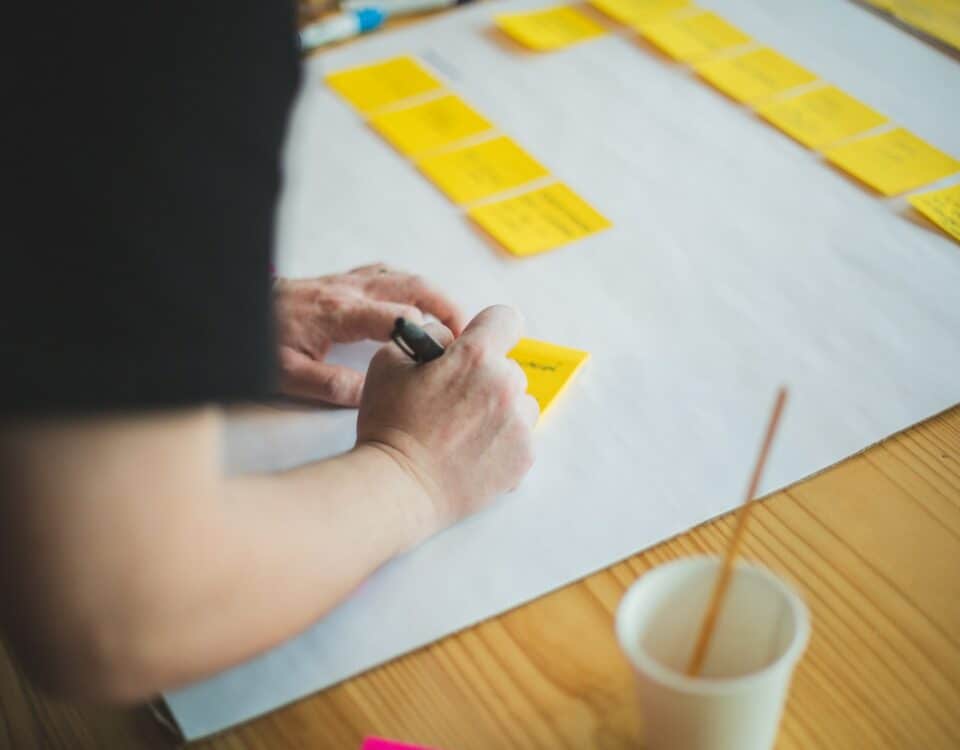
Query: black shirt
{"x": 145, "y": 164}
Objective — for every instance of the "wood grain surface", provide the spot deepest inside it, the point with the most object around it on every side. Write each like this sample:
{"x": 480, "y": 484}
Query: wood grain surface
{"x": 873, "y": 544}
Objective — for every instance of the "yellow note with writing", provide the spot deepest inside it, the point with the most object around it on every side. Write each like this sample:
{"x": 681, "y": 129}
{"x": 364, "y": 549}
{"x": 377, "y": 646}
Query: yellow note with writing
{"x": 424, "y": 127}
{"x": 540, "y": 220}
{"x": 475, "y": 172}
{"x": 942, "y": 207}
{"x": 754, "y": 75}
{"x": 371, "y": 87}
{"x": 549, "y": 29}
{"x": 549, "y": 368}
{"x": 639, "y": 12}
{"x": 893, "y": 162}
{"x": 694, "y": 37}
{"x": 821, "y": 117}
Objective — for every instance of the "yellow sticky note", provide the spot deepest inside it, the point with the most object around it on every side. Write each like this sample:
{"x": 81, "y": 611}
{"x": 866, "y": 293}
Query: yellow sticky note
{"x": 942, "y": 207}
{"x": 821, "y": 117}
{"x": 549, "y": 29}
{"x": 639, "y": 12}
{"x": 893, "y": 162}
{"x": 938, "y": 18}
{"x": 549, "y": 368}
{"x": 424, "y": 127}
{"x": 371, "y": 87}
{"x": 540, "y": 220}
{"x": 482, "y": 170}
{"x": 754, "y": 75}
{"x": 694, "y": 37}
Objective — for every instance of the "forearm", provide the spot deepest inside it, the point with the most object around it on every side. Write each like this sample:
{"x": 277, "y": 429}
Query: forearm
{"x": 290, "y": 547}
{"x": 128, "y": 564}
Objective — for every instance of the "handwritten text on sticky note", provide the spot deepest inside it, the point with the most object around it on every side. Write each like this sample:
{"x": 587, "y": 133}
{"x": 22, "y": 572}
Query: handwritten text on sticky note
{"x": 549, "y": 29}
{"x": 549, "y": 368}
{"x": 694, "y": 37}
{"x": 893, "y": 162}
{"x": 942, "y": 207}
{"x": 424, "y": 127}
{"x": 540, "y": 220}
{"x": 639, "y": 12}
{"x": 371, "y": 87}
{"x": 821, "y": 117}
{"x": 480, "y": 171}
{"x": 754, "y": 75}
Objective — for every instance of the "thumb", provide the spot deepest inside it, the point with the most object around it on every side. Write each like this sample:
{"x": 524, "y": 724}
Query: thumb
{"x": 304, "y": 377}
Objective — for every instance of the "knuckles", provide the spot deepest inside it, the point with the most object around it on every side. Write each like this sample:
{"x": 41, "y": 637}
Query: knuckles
{"x": 505, "y": 398}
{"x": 412, "y": 313}
{"x": 337, "y": 384}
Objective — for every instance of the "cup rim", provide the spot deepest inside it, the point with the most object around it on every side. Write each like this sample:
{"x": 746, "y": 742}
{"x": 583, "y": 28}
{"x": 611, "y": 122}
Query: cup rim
{"x": 643, "y": 661}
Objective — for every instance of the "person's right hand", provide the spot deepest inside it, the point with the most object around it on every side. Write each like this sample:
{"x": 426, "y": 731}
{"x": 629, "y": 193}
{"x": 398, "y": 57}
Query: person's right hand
{"x": 461, "y": 424}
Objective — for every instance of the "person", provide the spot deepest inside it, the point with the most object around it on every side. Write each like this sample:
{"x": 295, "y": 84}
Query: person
{"x": 139, "y": 302}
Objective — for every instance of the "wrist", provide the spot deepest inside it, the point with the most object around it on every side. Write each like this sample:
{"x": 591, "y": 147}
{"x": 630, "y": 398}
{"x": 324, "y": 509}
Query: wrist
{"x": 414, "y": 493}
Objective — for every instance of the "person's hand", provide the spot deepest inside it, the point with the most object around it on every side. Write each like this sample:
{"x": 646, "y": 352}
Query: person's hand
{"x": 314, "y": 314}
{"x": 461, "y": 424}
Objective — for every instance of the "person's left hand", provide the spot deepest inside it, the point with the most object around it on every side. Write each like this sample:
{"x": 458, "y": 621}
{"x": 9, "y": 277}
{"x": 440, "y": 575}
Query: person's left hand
{"x": 314, "y": 314}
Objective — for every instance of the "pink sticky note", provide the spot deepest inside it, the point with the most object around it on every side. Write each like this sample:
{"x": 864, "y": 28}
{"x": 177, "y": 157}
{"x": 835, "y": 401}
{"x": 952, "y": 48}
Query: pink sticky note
{"x": 378, "y": 743}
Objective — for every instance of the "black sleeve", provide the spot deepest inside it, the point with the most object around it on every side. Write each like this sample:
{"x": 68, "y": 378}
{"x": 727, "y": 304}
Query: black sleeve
{"x": 145, "y": 168}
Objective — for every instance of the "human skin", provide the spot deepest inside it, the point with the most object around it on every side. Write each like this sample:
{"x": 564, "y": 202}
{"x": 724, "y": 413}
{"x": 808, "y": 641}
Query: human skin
{"x": 131, "y": 564}
{"x": 314, "y": 314}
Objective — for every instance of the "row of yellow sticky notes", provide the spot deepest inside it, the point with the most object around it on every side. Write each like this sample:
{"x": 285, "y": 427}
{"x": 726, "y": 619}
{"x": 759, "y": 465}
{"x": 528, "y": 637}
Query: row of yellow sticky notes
{"x": 560, "y": 26}
{"x": 827, "y": 119}
{"x": 530, "y": 222}
{"x": 891, "y": 163}
{"x": 461, "y": 153}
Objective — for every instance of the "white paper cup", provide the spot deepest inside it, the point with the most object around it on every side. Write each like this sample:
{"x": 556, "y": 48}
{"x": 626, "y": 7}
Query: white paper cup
{"x": 760, "y": 635}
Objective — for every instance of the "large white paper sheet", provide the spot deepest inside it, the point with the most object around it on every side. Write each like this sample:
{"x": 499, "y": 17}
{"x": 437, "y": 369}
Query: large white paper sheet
{"x": 737, "y": 260}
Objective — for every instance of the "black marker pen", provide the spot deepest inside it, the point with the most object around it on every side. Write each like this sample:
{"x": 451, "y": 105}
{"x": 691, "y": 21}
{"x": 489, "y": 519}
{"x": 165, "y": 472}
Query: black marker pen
{"x": 415, "y": 342}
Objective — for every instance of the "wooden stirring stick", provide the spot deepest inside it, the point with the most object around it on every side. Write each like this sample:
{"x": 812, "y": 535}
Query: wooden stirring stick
{"x": 726, "y": 571}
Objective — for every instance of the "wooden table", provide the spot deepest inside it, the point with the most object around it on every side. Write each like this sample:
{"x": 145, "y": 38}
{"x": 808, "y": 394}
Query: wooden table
{"x": 873, "y": 544}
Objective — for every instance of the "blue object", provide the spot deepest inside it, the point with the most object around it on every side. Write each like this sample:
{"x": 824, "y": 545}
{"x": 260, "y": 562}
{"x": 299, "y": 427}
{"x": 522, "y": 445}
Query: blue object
{"x": 370, "y": 18}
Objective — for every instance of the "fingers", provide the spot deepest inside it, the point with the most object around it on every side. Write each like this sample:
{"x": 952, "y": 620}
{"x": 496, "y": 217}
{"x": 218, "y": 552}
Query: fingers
{"x": 395, "y": 286}
{"x": 303, "y": 377}
{"x": 443, "y": 309}
{"x": 439, "y": 333}
{"x": 497, "y": 328}
{"x": 375, "y": 320}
